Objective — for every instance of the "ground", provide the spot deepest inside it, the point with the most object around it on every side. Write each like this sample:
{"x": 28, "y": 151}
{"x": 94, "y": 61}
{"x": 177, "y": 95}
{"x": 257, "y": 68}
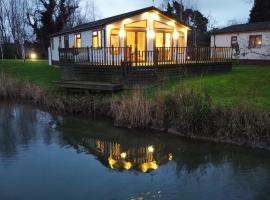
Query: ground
{"x": 38, "y": 72}
{"x": 246, "y": 84}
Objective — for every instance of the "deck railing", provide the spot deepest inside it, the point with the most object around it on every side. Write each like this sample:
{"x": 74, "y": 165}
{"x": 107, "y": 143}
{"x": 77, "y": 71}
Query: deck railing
{"x": 115, "y": 56}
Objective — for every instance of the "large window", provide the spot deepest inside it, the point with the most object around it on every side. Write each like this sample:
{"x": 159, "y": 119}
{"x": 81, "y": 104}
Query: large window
{"x": 96, "y": 39}
{"x": 255, "y": 41}
{"x": 137, "y": 24}
{"x": 164, "y": 39}
{"x": 66, "y": 41}
{"x": 161, "y": 25}
{"x": 78, "y": 40}
{"x": 115, "y": 41}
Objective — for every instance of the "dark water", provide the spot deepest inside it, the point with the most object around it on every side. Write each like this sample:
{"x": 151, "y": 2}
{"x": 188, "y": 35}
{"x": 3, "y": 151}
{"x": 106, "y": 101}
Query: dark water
{"x": 54, "y": 158}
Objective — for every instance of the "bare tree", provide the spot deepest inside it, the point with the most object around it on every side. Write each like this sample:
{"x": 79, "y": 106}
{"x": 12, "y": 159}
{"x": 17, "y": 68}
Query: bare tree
{"x": 87, "y": 12}
{"x": 2, "y": 28}
{"x": 16, "y": 13}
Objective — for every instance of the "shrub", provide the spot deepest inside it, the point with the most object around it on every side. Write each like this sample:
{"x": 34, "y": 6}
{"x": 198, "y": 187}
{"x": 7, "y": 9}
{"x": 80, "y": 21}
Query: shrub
{"x": 132, "y": 111}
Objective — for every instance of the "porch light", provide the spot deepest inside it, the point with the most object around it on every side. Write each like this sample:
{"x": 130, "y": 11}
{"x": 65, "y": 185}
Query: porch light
{"x": 122, "y": 33}
{"x": 33, "y": 56}
{"x": 150, "y": 149}
{"x": 145, "y": 15}
{"x": 123, "y": 155}
{"x": 154, "y": 16}
{"x": 151, "y": 34}
{"x": 175, "y": 35}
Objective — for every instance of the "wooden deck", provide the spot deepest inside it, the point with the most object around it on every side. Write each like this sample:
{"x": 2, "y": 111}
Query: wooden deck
{"x": 100, "y": 68}
{"x": 90, "y": 86}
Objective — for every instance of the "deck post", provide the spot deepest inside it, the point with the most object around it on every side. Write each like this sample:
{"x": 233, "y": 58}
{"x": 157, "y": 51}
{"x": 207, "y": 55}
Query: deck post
{"x": 74, "y": 54}
{"x": 88, "y": 54}
{"x": 136, "y": 56}
{"x": 92, "y": 56}
{"x": 177, "y": 54}
{"x": 155, "y": 57}
{"x": 112, "y": 50}
{"x": 130, "y": 54}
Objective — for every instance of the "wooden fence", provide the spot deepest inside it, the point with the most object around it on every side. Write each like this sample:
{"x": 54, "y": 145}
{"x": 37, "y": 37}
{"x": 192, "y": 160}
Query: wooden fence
{"x": 116, "y": 56}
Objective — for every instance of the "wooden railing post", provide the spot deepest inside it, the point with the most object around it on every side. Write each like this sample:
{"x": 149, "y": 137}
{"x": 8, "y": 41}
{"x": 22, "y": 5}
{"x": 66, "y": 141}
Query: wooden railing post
{"x": 74, "y": 54}
{"x": 92, "y": 55}
{"x": 155, "y": 57}
{"x": 112, "y": 53}
{"x": 136, "y": 56}
{"x": 88, "y": 55}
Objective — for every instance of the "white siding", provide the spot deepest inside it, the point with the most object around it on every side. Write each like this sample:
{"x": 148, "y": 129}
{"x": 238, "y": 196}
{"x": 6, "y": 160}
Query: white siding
{"x": 263, "y": 53}
{"x": 86, "y": 38}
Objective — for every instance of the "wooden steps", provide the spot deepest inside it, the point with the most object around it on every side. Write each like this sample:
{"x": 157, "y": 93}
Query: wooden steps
{"x": 91, "y": 86}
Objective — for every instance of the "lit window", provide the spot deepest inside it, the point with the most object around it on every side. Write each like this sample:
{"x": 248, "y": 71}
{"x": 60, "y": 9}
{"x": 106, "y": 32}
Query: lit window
{"x": 137, "y": 24}
{"x": 181, "y": 43}
{"x": 161, "y": 25}
{"x": 96, "y": 39}
{"x": 115, "y": 41}
{"x": 78, "y": 40}
{"x": 255, "y": 41}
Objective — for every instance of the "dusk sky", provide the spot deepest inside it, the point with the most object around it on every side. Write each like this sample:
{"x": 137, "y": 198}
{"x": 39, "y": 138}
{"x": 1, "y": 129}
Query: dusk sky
{"x": 221, "y": 10}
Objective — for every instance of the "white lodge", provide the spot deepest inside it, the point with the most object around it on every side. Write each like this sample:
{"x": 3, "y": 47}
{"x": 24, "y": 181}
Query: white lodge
{"x": 251, "y": 42}
{"x": 140, "y": 30}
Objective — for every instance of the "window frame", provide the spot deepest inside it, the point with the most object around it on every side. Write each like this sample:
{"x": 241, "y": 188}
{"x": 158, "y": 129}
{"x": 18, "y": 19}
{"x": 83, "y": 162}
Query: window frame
{"x": 232, "y": 40}
{"x": 76, "y": 38}
{"x": 126, "y": 26}
{"x": 97, "y": 36}
{"x": 116, "y": 51}
{"x": 252, "y": 42}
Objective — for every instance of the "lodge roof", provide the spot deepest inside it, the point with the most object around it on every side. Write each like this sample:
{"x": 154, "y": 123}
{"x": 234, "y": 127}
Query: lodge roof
{"x": 259, "y": 26}
{"x": 109, "y": 20}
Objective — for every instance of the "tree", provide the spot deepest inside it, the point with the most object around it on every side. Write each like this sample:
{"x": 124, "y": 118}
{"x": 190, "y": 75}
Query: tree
{"x": 16, "y": 19}
{"x": 2, "y": 28}
{"x": 260, "y": 11}
{"x": 199, "y": 34}
{"x": 50, "y": 16}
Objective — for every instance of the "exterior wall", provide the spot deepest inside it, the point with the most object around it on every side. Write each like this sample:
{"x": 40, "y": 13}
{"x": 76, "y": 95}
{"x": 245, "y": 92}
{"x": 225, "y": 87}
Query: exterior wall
{"x": 246, "y": 53}
{"x": 54, "y": 49}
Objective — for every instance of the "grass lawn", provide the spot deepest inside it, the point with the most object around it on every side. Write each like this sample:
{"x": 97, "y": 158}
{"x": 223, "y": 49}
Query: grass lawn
{"x": 38, "y": 72}
{"x": 245, "y": 84}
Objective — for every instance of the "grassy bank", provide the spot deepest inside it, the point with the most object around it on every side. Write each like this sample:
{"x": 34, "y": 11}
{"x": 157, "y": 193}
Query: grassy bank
{"x": 37, "y": 72}
{"x": 245, "y": 84}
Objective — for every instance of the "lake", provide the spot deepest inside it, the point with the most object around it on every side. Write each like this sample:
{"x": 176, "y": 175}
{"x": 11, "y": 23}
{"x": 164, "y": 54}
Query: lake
{"x": 49, "y": 157}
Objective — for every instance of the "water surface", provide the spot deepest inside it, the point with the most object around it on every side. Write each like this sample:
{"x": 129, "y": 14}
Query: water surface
{"x": 52, "y": 158}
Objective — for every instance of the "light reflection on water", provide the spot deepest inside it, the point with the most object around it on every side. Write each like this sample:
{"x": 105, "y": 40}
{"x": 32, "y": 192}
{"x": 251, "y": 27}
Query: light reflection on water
{"x": 48, "y": 157}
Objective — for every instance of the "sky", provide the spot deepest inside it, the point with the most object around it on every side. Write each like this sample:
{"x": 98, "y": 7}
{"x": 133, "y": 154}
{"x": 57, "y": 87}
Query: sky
{"x": 222, "y": 11}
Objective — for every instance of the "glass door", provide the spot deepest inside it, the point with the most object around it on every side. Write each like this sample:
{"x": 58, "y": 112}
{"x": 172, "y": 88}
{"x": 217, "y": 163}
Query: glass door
{"x": 137, "y": 40}
{"x": 164, "y": 44}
